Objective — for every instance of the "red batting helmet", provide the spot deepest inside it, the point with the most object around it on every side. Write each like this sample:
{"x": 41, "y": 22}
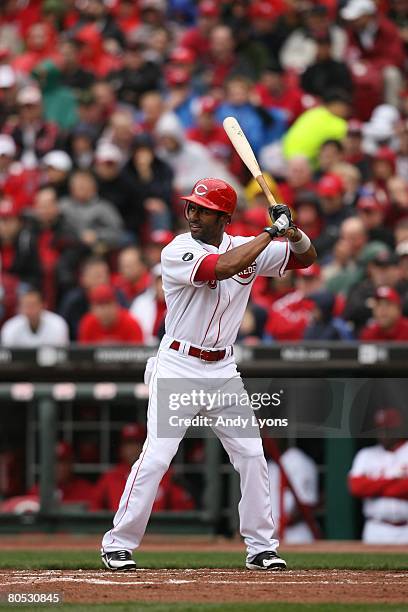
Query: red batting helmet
{"x": 215, "y": 194}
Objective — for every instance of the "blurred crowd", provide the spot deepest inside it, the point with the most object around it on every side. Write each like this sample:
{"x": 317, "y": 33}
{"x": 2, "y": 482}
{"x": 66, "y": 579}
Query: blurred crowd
{"x": 110, "y": 110}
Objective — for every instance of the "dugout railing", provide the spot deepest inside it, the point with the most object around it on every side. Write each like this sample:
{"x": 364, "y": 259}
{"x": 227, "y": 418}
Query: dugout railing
{"x": 46, "y": 379}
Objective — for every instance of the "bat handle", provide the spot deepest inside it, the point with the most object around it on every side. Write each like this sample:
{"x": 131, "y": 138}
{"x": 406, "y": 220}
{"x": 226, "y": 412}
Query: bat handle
{"x": 264, "y": 186}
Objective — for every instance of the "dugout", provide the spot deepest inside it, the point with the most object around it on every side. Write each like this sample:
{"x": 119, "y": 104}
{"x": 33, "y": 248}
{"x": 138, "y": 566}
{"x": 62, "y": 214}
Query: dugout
{"x": 42, "y": 390}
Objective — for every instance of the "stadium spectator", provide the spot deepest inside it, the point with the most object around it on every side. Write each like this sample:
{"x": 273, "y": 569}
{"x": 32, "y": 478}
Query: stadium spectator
{"x": 374, "y": 41}
{"x": 316, "y": 125}
{"x": 115, "y": 186}
{"x": 330, "y": 154}
{"x": 71, "y": 489}
{"x": 197, "y": 38}
{"x": 40, "y": 45}
{"x": 149, "y": 308}
{"x": 158, "y": 240}
{"x": 18, "y": 252}
{"x": 59, "y": 103}
{"x": 16, "y": 182}
{"x": 353, "y": 148}
{"x": 137, "y": 75}
{"x": 92, "y": 54}
{"x": 33, "y": 136}
{"x": 209, "y": 132}
{"x": 331, "y": 191}
{"x": 171, "y": 495}
{"x": 373, "y": 214}
{"x": 72, "y": 73}
{"x": 34, "y": 326}
{"x": 181, "y": 98}
{"x": 96, "y": 221}
{"x": 8, "y": 81}
{"x": 301, "y": 471}
{"x": 378, "y": 477}
{"x": 252, "y": 327}
{"x": 275, "y": 89}
{"x": 380, "y": 268}
{"x": 107, "y": 322}
{"x": 388, "y": 322}
{"x": 324, "y": 325}
{"x": 133, "y": 276}
{"x": 299, "y": 178}
{"x": 262, "y": 126}
{"x": 325, "y": 72}
{"x": 57, "y": 166}
{"x": 152, "y": 186}
{"x": 75, "y": 304}
{"x": 290, "y": 315}
{"x": 188, "y": 160}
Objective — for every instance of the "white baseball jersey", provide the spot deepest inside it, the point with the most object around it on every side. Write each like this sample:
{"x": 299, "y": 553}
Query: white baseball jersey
{"x": 377, "y": 462}
{"x": 53, "y": 329}
{"x": 303, "y": 475}
{"x": 208, "y": 314}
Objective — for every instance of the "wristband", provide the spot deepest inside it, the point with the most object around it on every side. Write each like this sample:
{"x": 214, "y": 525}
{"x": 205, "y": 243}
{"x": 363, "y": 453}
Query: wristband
{"x": 300, "y": 246}
{"x": 272, "y": 231}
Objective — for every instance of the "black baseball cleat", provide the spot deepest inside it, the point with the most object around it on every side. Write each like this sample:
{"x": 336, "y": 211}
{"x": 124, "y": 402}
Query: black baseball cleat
{"x": 267, "y": 560}
{"x": 118, "y": 560}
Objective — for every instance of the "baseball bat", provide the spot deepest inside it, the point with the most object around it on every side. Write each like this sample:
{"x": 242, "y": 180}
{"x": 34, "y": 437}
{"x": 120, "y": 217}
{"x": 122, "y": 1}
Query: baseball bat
{"x": 244, "y": 150}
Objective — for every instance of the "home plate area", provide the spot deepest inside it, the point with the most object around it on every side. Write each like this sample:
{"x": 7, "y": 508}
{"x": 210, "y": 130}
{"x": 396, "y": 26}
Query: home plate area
{"x": 206, "y": 585}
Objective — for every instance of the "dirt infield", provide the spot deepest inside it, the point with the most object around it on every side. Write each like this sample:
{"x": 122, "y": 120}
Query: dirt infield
{"x": 40, "y": 541}
{"x": 206, "y": 585}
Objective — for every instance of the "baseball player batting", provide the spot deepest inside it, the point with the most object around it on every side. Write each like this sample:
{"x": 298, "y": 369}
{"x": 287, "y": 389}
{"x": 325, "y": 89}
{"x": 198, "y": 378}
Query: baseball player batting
{"x": 207, "y": 281}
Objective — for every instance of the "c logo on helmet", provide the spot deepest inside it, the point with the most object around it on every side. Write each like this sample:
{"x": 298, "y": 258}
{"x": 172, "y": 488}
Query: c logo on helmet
{"x": 201, "y": 189}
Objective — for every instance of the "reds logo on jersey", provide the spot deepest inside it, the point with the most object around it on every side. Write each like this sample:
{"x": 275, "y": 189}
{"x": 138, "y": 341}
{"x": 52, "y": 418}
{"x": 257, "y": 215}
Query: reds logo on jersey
{"x": 247, "y": 275}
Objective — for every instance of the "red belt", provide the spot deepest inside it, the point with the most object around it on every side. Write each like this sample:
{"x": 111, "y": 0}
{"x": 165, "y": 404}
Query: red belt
{"x": 204, "y": 354}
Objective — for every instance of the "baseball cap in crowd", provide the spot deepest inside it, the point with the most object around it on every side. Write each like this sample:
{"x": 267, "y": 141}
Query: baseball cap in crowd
{"x": 357, "y": 8}
{"x": 59, "y": 160}
{"x": 386, "y": 258}
{"x": 262, "y": 10}
{"x": 402, "y": 249}
{"x": 103, "y": 294}
{"x": 369, "y": 203}
{"x": 161, "y": 237}
{"x": 64, "y": 451}
{"x": 8, "y": 208}
{"x": 370, "y": 252}
{"x": 177, "y": 76}
{"x": 313, "y": 271}
{"x": 7, "y": 145}
{"x": 133, "y": 432}
{"x": 388, "y": 418}
{"x": 386, "y": 154}
{"x": 389, "y": 294}
{"x": 29, "y": 95}
{"x": 307, "y": 197}
{"x": 330, "y": 185}
{"x": 7, "y": 77}
{"x": 354, "y": 127}
{"x": 208, "y": 8}
{"x": 207, "y": 104}
{"x": 108, "y": 152}
{"x": 182, "y": 55}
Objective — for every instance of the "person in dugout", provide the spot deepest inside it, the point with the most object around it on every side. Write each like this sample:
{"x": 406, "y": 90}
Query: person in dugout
{"x": 108, "y": 489}
{"x": 379, "y": 477}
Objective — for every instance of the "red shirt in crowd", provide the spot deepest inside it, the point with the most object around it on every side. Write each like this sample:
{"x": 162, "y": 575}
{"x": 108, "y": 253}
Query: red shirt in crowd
{"x": 76, "y": 490}
{"x": 374, "y": 332}
{"x": 387, "y": 48}
{"x": 131, "y": 289}
{"x": 109, "y": 488}
{"x": 289, "y": 100}
{"x": 125, "y": 329}
{"x": 289, "y": 317}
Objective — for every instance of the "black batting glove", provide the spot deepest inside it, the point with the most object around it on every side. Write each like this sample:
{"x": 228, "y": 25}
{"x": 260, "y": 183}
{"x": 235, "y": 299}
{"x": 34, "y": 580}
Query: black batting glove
{"x": 280, "y": 209}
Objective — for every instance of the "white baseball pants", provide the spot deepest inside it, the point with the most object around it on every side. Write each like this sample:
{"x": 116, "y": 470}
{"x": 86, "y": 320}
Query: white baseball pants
{"x": 246, "y": 455}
